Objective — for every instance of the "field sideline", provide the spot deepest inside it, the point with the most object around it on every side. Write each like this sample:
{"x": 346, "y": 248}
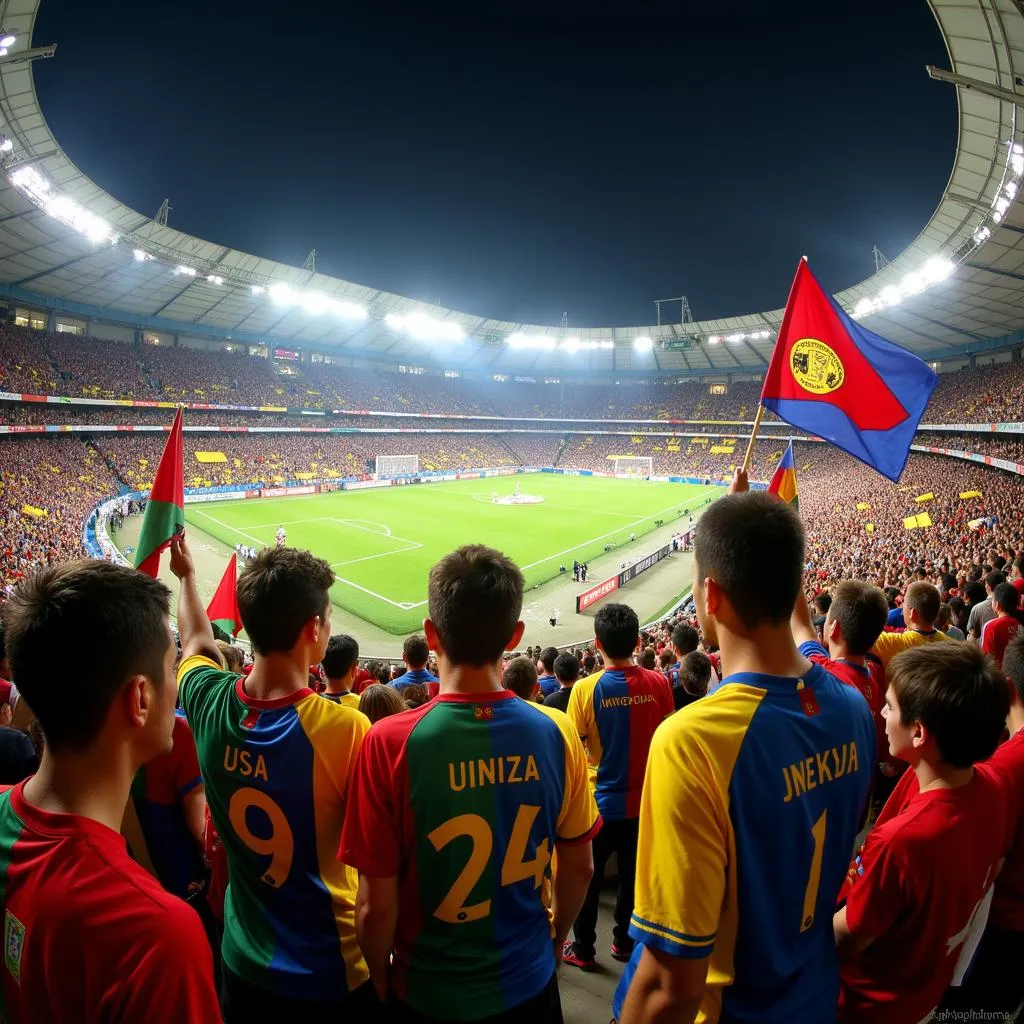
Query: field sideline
{"x": 382, "y": 543}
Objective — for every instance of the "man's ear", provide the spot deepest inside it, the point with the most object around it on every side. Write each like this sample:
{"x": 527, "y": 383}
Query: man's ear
{"x": 137, "y": 701}
{"x": 834, "y": 632}
{"x": 714, "y": 596}
{"x": 433, "y": 640}
{"x": 517, "y": 635}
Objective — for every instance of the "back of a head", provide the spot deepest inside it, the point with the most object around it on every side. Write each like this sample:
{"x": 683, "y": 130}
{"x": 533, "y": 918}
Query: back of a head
{"x": 695, "y": 673}
{"x": 861, "y": 611}
{"x": 958, "y": 693}
{"x": 415, "y": 696}
{"x": 378, "y": 701}
{"x": 822, "y": 602}
{"x": 341, "y": 654}
{"x": 567, "y": 668}
{"x": 415, "y": 651}
{"x": 1007, "y": 597}
{"x": 975, "y": 593}
{"x": 234, "y": 659}
{"x": 924, "y": 599}
{"x": 475, "y": 595}
{"x": 589, "y": 663}
{"x": 684, "y": 639}
{"x": 752, "y": 545}
{"x": 520, "y": 677}
{"x": 994, "y": 579}
{"x": 547, "y": 659}
{"x": 114, "y": 619}
{"x": 891, "y": 594}
{"x": 944, "y": 618}
{"x": 617, "y": 628}
{"x": 279, "y": 591}
{"x": 1013, "y": 665}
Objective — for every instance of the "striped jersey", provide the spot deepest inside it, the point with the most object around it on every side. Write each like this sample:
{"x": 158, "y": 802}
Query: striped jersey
{"x": 464, "y": 800}
{"x": 277, "y": 777}
{"x": 750, "y": 810}
{"x": 616, "y": 712}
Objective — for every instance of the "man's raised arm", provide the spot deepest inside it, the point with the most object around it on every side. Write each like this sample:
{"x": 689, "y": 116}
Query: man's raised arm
{"x": 193, "y": 625}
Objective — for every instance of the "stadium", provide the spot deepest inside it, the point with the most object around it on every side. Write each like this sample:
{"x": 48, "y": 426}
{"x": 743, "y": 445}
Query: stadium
{"x": 380, "y": 432}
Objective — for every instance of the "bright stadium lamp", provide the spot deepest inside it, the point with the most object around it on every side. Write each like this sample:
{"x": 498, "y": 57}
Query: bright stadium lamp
{"x": 7, "y": 39}
{"x": 714, "y": 339}
{"x": 1017, "y": 161}
{"x": 938, "y": 268}
{"x": 257, "y": 289}
{"x": 282, "y": 293}
{"x": 982, "y": 235}
{"x": 350, "y": 310}
{"x": 643, "y": 343}
{"x": 6, "y": 145}
{"x": 570, "y": 345}
{"x": 735, "y": 338}
{"x": 864, "y": 307}
{"x": 890, "y": 296}
{"x": 141, "y": 255}
{"x": 186, "y": 271}
{"x": 214, "y": 278}
{"x": 913, "y": 283}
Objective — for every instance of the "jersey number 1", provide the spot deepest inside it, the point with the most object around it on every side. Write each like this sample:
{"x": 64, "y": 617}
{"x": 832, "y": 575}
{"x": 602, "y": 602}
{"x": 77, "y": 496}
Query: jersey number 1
{"x": 514, "y": 868}
{"x": 813, "y": 881}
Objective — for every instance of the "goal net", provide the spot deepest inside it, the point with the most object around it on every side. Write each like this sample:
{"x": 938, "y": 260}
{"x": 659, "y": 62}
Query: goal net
{"x": 397, "y": 465}
{"x": 633, "y": 465}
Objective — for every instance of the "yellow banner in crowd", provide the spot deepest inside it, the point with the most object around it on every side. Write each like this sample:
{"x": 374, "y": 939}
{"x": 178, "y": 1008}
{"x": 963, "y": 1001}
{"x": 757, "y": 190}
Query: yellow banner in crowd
{"x": 924, "y": 497}
{"x": 723, "y": 449}
{"x": 917, "y": 522}
{"x": 31, "y": 510}
{"x": 976, "y": 524}
{"x": 211, "y": 457}
{"x": 870, "y": 527}
{"x": 862, "y": 506}
{"x": 970, "y": 494}
{"x": 699, "y": 440}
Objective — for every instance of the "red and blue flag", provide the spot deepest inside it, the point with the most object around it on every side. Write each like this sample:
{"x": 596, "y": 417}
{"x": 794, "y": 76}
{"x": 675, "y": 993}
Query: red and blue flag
{"x": 783, "y": 482}
{"x": 834, "y": 378}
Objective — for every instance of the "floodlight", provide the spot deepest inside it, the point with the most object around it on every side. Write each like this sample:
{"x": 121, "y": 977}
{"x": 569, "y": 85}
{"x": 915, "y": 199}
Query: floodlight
{"x": 1002, "y": 205}
{"x": 281, "y": 293}
{"x": 938, "y": 268}
{"x": 257, "y": 289}
{"x": 187, "y": 271}
{"x": 6, "y": 145}
{"x": 351, "y": 310}
{"x": 544, "y": 342}
{"x": 738, "y": 336}
{"x": 313, "y": 303}
{"x": 913, "y": 283}
{"x": 890, "y": 296}
{"x": 1017, "y": 149}
{"x": 141, "y": 255}
{"x": 570, "y": 344}
{"x": 214, "y": 279}
{"x": 865, "y": 307}
{"x": 7, "y": 39}
{"x": 982, "y": 235}
{"x": 1017, "y": 163}
{"x": 642, "y": 343}
{"x": 714, "y": 339}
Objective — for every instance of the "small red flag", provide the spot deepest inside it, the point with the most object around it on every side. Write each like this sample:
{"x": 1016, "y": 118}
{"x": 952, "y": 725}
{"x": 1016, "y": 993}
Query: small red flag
{"x": 223, "y": 610}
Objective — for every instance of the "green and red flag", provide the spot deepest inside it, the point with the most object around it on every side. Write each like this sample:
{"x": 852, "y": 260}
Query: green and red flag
{"x": 165, "y": 510}
{"x": 223, "y": 610}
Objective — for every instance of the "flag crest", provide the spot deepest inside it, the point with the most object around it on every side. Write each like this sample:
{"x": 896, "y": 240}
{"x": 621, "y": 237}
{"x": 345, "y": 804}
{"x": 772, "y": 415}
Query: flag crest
{"x": 840, "y": 381}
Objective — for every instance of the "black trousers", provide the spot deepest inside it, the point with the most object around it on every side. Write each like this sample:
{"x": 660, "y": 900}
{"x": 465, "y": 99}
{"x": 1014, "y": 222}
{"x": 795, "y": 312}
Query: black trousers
{"x": 241, "y": 1002}
{"x": 543, "y": 1008}
{"x": 995, "y": 982}
{"x": 618, "y": 837}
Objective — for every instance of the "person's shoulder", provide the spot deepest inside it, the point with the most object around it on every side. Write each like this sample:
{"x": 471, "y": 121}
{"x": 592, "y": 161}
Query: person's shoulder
{"x": 320, "y": 715}
{"x": 199, "y": 670}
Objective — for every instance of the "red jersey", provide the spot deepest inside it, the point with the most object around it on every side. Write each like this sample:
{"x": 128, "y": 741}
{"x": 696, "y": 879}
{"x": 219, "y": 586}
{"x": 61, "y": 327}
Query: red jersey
{"x": 915, "y": 887}
{"x": 1008, "y": 900}
{"x": 1019, "y": 584}
{"x": 996, "y": 635}
{"x": 362, "y": 681}
{"x": 90, "y": 935}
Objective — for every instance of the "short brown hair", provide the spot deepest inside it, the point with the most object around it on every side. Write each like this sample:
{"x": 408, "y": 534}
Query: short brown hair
{"x": 232, "y": 656}
{"x": 415, "y": 651}
{"x": 861, "y": 611}
{"x": 379, "y": 701}
{"x": 474, "y": 599}
{"x": 112, "y": 619}
{"x": 958, "y": 693}
{"x": 695, "y": 673}
{"x": 923, "y": 598}
{"x": 520, "y": 677}
{"x": 279, "y": 591}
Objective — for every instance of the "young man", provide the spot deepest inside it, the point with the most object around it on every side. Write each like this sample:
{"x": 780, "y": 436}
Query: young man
{"x": 1017, "y": 575}
{"x": 548, "y": 680}
{"x": 615, "y": 713}
{"x": 983, "y": 611}
{"x": 995, "y": 983}
{"x": 276, "y": 759}
{"x": 341, "y": 666}
{"x": 914, "y": 889}
{"x": 694, "y": 679}
{"x": 997, "y": 633}
{"x": 684, "y": 639}
{"x": 567, "y": 671}
{"x": 455, "y": 811}
{"x": 415, "y": 654}
{"x": 89, "y": 935}
{"x": 920, "y": 610}
{"x": 772, "y": 769}
{"x": 855, "y": 620}
{"x": 520, "y": 676}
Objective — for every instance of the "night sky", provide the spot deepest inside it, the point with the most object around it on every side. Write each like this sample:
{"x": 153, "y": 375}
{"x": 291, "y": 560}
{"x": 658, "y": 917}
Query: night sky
{"x": 518, "y": 159}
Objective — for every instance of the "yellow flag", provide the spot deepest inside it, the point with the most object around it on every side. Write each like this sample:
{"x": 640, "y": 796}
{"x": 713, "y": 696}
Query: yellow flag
{"x": 862, "y": 506}
{"x": 870, "y": 527}
{"x": 970, "y": 494}
{"x": 924, "y": 497}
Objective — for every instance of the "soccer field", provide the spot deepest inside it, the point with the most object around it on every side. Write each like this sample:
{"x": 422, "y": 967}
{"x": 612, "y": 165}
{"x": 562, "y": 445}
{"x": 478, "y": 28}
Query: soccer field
{"x": 382, "y": 543}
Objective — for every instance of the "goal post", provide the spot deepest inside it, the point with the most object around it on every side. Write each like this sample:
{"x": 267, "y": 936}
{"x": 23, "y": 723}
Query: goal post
{"x": 397, "y": 465}
{"x": 634, "y": 465}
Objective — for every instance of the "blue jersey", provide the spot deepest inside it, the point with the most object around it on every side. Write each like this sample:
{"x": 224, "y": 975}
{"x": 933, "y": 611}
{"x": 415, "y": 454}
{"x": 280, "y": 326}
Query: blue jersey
{"x": 749, "y": 813}
{"x": 414, "y": 677}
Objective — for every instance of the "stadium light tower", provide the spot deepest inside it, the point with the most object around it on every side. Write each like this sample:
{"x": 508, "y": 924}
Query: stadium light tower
{"x": 685, "y": 313}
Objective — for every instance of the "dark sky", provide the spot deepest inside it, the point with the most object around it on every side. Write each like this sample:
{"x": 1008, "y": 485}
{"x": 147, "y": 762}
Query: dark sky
{"x": 519, "y": 159}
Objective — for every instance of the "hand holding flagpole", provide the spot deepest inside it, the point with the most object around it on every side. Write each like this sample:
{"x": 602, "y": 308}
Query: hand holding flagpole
{"x": 753, "y": 438}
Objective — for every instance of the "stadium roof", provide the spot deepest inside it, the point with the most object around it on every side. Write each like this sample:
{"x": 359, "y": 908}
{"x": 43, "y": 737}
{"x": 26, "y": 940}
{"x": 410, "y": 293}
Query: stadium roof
{"x": 136, "y": 269}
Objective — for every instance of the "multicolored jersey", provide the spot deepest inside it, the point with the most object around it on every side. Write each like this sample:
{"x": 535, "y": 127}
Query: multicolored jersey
{"x": 89, "y": 936}
{"x": 915, "y": 888}
{"x": 414, "y": 677}
{"x": 277, "y": 777}
{"x": 616, "y": 712}
{"x": 157, "y": 791}
{"x": 348, "y": 700}
{"x": 1008, "y": 901}
{"x": 888, "y": 645}
{"x": 750, "y": 809}
{"x": 463, "y": 800}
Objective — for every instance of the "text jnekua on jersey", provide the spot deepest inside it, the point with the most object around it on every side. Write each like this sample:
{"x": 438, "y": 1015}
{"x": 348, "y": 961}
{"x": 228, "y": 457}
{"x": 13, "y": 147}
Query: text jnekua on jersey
{"x": 824, "y": 766}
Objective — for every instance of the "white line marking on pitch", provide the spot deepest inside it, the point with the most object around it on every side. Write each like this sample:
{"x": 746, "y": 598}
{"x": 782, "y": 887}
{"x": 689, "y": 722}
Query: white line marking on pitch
{"x": 233, "y": 529}
{"x": 383, "y": 554}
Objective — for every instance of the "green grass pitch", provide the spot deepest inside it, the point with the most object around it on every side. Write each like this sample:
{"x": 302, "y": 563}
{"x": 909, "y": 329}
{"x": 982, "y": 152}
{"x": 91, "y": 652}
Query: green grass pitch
{"x": 382, "y": 543}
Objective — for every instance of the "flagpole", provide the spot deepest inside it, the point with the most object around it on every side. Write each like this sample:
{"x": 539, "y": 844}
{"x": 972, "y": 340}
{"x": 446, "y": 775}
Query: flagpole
{"x": 753, "y": 438}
